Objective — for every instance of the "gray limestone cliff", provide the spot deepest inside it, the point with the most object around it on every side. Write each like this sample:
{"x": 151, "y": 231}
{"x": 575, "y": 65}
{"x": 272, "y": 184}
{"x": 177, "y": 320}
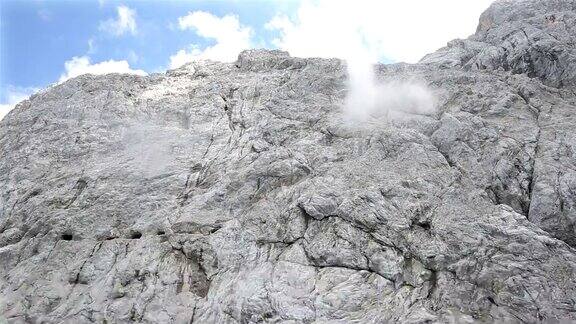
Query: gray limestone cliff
{"x": 225, "y": 193}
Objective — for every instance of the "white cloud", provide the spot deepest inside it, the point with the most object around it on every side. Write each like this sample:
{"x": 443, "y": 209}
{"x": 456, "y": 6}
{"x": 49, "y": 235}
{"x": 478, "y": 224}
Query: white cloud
{"x": 45, "y": 15}
{"x": 399, "y": 30}
{"x": 91, "y": 46}
{"x": 366, "y": 31}
{"x": 124, "y": 23}
{"x": 82, "y": 65}
{"x": 133, "y": 57}
{"x": 14, "y": 96}
{"x": 229, "y": 35}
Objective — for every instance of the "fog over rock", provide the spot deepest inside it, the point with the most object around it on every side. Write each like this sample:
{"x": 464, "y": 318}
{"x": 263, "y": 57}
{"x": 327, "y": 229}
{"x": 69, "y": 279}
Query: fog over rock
{"x": 240, "y": 192}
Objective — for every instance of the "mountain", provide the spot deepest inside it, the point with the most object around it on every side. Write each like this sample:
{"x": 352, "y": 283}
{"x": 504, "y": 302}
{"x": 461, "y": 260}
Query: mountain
{"x": 224, "y": 193}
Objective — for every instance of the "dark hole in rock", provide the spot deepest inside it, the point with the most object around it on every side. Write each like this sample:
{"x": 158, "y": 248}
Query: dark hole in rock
{"x": 160, "y": 232}
{"x": 135, "y": 235}
{"x": 66, "y": 237}
{"x": 491, "y": 300}
{"x": 424, "y": 225}
{"x": 215, "y": 228}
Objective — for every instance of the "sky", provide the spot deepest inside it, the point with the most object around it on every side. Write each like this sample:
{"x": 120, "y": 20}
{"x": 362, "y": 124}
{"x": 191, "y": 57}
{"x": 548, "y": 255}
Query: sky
{"x": 43, "y": 42}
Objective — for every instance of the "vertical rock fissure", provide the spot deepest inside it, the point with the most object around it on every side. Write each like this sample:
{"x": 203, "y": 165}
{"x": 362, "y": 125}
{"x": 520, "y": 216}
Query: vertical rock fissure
{"x": 531, "y": 173}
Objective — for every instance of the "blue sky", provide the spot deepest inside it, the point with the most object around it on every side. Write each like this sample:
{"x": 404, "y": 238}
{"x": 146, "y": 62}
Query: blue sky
{"x": 48, "y": 41}
{"x": 39, "y": 36}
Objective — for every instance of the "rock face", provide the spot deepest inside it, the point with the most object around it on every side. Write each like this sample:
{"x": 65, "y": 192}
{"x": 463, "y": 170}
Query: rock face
{"x": 236, "y": 192}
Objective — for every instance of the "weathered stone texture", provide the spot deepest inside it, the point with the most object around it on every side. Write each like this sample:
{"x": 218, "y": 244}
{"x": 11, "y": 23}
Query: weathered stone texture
{"x": 236, "y": 193}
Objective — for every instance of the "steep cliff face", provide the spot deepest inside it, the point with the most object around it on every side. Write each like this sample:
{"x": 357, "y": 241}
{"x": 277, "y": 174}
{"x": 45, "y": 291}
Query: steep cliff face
{"x": 237, "y": 192}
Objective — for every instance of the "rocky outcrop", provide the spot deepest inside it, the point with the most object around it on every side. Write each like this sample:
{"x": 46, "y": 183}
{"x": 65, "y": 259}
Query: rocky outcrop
{"x": 237, "y": 192}
{"x": 536, "y": 39}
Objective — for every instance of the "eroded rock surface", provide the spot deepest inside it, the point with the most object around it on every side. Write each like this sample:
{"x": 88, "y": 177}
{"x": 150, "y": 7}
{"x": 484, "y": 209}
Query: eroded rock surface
{"x": 237, "y": 192}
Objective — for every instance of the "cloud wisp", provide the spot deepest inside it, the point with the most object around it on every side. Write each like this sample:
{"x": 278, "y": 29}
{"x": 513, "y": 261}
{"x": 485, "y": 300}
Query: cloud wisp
{"x": 229, "y": 35}
{"x": 125, "y": 22}
{"x": 369, "y": 101}
{"x": 364, "y": 33}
